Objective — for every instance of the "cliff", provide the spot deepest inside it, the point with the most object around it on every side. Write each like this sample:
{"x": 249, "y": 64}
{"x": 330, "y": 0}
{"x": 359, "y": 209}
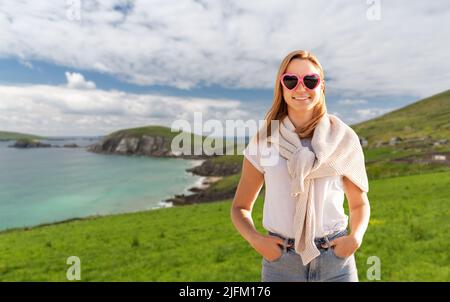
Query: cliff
{"x": 147, "y": 141}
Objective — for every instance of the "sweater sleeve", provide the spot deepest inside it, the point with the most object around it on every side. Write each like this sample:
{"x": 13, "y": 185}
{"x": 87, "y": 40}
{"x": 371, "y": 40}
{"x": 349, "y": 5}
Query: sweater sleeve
{"x": 350, "y": 162}
{"x": 356, "y": 169}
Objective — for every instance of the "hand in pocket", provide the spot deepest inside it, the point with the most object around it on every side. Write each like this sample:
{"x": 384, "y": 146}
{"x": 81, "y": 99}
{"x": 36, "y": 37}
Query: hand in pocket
{"x": 344, "y": 246}
{"x": 270, "y": 247}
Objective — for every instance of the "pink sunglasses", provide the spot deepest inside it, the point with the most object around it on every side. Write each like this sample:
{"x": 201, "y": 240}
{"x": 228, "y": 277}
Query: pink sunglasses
{"x": 291, "y": 81}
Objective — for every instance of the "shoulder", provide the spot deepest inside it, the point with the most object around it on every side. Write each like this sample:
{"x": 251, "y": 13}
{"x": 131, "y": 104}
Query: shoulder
{"x": 341, "y": 124}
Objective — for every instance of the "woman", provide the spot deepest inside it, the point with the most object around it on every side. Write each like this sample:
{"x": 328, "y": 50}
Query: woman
{"x": 319, "y": 159}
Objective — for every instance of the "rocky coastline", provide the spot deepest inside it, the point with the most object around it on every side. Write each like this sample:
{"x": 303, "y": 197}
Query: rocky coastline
{"x": 26, "y": 144}
{"x": 146, "y": 145}
{"x": 212, "y": 173}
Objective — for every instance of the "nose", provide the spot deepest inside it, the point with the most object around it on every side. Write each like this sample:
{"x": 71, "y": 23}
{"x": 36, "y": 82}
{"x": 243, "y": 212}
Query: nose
{"x": 301, "y": 87}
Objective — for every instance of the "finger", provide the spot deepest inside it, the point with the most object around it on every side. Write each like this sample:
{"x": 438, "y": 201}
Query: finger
{"x": 334, "y": 242}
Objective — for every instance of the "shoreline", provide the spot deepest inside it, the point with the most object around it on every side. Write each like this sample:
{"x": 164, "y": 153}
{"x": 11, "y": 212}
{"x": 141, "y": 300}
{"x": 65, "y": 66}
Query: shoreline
{"x": 192, "y": 194}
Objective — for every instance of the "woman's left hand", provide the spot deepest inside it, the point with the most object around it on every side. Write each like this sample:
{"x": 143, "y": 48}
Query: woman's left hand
{"x": 345, "y": 246}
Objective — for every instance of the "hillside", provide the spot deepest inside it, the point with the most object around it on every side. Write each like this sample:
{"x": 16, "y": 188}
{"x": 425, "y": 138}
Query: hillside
{"x": 4, "y": 135}
{"x": 425, "y": 120}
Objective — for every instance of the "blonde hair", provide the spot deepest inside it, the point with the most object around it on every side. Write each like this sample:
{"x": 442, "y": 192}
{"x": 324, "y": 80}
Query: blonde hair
{"x": 279, "y": 107}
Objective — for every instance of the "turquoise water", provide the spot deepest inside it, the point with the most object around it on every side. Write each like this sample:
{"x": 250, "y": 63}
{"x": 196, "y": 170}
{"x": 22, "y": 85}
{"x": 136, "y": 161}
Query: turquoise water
{"x": 44, "y": 185}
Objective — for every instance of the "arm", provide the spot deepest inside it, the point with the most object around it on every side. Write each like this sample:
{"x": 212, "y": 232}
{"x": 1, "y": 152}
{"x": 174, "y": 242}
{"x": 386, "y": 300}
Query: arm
{"x": 359, "y": 219}
{"x": 247, "y": 191}
{"x": 359, "y": 210}
{"x": 241, "y": 213}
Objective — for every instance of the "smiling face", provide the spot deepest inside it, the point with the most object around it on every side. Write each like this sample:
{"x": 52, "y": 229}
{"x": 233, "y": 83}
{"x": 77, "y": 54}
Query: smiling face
{"x": 302, "y": 99}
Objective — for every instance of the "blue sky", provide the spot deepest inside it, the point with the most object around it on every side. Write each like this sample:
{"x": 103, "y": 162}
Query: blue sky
{"x": 92, "y": 67}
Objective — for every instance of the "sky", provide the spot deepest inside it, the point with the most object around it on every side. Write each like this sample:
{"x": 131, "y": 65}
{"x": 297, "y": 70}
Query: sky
{"x": 79, "y": 67}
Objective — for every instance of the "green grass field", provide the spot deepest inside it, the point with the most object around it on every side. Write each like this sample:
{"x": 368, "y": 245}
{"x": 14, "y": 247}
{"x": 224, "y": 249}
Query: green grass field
{"x": 408, "y": 231}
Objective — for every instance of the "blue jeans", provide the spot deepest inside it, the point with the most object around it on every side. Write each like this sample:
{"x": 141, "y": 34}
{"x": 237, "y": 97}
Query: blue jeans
{"x": 326, "y": 268}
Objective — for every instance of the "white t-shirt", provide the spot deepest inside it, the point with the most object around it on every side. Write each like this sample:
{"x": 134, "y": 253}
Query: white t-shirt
{"x": 279, "y": 205}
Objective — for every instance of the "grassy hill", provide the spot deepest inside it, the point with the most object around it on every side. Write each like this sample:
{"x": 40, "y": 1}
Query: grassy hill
{"x": 422, "y": 130}
{"x": 408, "y": 232}
{"x": 427, "y": 117}
{"x": 4, "y": 135}
{"x": 147, "y": 130}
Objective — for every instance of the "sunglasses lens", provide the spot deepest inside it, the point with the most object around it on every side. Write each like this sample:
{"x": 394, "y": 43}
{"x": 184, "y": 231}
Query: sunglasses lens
{"x": 290, "y": 81}
{"x": 311, "y": 81}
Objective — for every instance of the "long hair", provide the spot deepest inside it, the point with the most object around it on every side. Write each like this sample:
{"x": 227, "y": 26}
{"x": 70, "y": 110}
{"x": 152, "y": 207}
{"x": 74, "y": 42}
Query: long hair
{"x": 279, "y": 106}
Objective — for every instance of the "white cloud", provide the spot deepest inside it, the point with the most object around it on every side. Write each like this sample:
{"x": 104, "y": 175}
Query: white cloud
{"x": 76, "y": 80}
{"x": 239, "y": 44}
{"x": 68, "y": 110}
{"x": 351, "y": 117}
{"x": 71, "y": 109}
{"x": 26, "y": 64}
{"x": 369, "y": 113}
{"x": 351, "y": 102}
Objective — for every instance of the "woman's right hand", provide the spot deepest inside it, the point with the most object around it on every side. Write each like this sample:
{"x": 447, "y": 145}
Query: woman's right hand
{"x": 268, "y": 246}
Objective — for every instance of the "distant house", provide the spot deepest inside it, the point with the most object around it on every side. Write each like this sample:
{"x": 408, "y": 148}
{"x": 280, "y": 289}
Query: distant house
{"x": 394, "y": 140}
{"x": 440, "y": 142}
{"x": 439, "y": 157}
{"x": 363, "y": 141}
{"x": 379, "y": 144}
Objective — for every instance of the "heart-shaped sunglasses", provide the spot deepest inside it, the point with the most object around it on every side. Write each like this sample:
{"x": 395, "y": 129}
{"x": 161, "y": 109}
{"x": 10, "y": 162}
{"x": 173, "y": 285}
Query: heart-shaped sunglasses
{"x": 291, "y": 81}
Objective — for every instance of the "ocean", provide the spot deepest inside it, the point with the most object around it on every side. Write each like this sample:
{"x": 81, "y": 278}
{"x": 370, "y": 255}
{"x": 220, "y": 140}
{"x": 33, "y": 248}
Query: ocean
{"x": 45, "y": 185}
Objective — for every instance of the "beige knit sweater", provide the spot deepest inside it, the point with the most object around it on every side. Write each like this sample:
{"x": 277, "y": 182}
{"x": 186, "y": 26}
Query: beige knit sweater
{"x": 337, "y": 151}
